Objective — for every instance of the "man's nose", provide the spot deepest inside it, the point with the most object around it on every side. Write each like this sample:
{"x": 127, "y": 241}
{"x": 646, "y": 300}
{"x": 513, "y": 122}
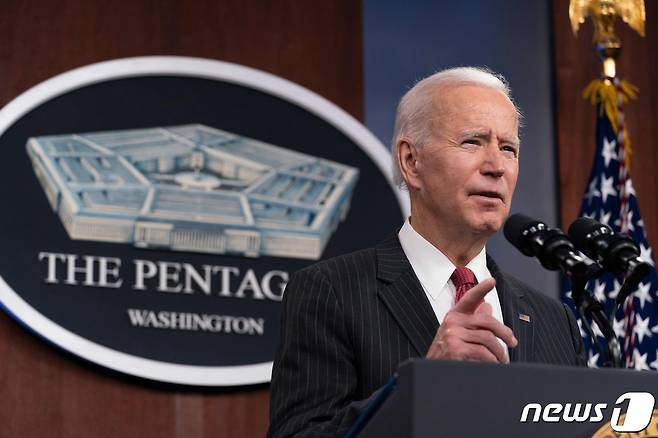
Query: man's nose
{"x": 494, "y": 162}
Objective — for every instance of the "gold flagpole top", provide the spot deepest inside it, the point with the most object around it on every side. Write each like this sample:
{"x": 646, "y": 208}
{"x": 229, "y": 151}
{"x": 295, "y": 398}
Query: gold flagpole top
{"x": 603, "y": 14}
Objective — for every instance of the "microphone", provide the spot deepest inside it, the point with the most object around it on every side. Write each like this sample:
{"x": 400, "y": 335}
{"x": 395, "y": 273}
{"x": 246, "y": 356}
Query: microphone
{"x": 550, "y": 245}
{"x": 556, "y": 251}
{"x": 616, "y": 252}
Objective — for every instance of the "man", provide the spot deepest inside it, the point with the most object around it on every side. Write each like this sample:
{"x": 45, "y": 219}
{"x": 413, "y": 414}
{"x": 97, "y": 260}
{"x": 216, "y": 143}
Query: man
{"x": 429, "y": 291}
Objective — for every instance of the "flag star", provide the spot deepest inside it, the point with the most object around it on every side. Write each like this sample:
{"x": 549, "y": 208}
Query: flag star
{"x": 597, "y": 331}
{"x": 618, "y": 327}
{"x": 605, "y": 217}
{"x": 644, "y": 294}
{"x": 592, "y": 192}
{"x": 593, "y": 360}
{"x": 654, "y": 329}
{"x": 629, "y": 188}
{"x": 568, "y": 294}
{"x": 580, "y": 328}
{"x": 615, "y": 290}
{"x": 645, "y": 254}
{"x": 640, "y": 361}
{"x": 641, "y": 328}
{"x": 599, "y": 291}
{"x": 607, "y": 188}
{"x": 609, "y": 152}
{"x": 589, "y": 215}
{"x": 640, "y": 223}
{"x": 654, "y": 364}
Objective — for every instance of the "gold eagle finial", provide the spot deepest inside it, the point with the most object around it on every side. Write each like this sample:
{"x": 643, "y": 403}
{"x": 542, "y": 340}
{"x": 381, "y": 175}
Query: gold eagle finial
{"x": 603, "y": 11}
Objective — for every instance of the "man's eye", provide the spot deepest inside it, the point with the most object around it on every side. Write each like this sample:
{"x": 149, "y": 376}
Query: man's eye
{"x": 510, "y": 150}
{"x": 472, "y": 141}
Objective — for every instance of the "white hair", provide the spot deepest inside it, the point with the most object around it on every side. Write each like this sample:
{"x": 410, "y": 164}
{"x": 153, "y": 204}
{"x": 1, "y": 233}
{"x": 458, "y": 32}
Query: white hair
{"x": 413, "y": 119}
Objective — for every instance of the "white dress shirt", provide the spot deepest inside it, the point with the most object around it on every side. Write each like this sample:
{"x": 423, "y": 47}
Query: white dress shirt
{"x": 434, "y": 269}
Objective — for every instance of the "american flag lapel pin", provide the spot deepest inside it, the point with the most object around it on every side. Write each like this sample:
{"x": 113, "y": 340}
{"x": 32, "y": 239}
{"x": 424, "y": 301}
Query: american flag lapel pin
{"x": 524, "y": 317}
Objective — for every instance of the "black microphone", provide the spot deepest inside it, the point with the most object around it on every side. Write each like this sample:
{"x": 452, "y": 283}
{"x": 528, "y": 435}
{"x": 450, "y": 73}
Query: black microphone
{"x": 550, "y": 245}
{"x": 555, "y": 251}
{"x": 616, "y": 252}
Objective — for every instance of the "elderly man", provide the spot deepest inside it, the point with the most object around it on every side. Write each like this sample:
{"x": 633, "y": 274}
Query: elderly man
{"x": 429, "y": 291}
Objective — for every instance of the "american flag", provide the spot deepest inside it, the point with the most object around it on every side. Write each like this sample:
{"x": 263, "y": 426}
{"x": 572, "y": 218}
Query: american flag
{"x": 611, "y": 200}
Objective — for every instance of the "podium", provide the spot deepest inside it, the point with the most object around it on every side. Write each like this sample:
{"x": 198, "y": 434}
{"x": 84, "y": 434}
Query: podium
{"x": 468, "y": 399}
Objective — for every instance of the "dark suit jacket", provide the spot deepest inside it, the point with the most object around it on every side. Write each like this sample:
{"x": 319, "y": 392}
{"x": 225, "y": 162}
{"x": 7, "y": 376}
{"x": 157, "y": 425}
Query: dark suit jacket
{"x": 348, "y": 322}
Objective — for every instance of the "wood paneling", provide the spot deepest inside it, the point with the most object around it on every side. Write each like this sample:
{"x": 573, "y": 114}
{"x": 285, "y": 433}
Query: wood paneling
{"x": 575, "y": 66}
{"x": 316, "y": 44}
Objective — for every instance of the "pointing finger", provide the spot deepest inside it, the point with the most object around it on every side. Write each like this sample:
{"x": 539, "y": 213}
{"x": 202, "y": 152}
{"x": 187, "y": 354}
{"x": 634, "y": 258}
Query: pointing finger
{"x": 472, "y": 299}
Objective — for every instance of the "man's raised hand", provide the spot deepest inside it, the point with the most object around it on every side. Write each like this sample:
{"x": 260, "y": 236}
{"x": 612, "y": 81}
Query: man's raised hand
{"x": 469, "y": 330}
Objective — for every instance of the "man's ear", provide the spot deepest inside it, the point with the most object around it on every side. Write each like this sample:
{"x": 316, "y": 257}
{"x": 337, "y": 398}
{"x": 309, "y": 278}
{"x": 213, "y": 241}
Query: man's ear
{"x": 408, "y": 159}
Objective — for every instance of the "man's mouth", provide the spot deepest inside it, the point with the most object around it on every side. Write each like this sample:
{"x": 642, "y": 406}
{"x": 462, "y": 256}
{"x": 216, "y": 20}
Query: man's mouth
{"x": 488, "y": 194}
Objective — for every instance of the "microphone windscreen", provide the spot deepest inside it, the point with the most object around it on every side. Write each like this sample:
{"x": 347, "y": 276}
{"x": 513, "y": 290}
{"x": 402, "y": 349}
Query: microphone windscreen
{"x": 514, "y": 227}
{"x": 579, "y": 230}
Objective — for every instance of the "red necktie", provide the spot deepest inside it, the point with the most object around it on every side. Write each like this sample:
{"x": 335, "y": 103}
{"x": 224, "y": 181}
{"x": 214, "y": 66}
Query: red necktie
{"x": 463, "y": 279}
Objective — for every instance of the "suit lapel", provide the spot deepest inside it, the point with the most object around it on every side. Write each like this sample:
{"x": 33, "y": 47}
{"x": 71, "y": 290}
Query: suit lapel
{"x": 403, "y": 295}
{"x": 517, "y": 314}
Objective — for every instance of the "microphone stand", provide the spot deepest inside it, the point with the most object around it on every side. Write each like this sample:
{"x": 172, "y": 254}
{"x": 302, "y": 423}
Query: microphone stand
{"x": 636, "y": 273}
{"x": 580, "y": 270}
{"x": 591, "y": 309}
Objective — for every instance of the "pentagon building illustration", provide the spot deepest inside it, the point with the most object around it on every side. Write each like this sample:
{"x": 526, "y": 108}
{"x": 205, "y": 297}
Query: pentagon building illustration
{"x": 192, "y": 188}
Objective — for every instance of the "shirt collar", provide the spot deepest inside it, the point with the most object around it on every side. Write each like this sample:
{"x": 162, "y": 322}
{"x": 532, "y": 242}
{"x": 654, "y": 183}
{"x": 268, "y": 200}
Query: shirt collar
{"x": 479, "y": 266}
{"x": 430, "y": 265}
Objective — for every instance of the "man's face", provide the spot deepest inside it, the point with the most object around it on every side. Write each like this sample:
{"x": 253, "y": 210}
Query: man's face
{"x": 467, "y": 173}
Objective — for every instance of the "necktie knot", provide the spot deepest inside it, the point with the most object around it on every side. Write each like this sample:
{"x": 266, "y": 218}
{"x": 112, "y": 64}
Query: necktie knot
{"x": 463, "y": 279}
